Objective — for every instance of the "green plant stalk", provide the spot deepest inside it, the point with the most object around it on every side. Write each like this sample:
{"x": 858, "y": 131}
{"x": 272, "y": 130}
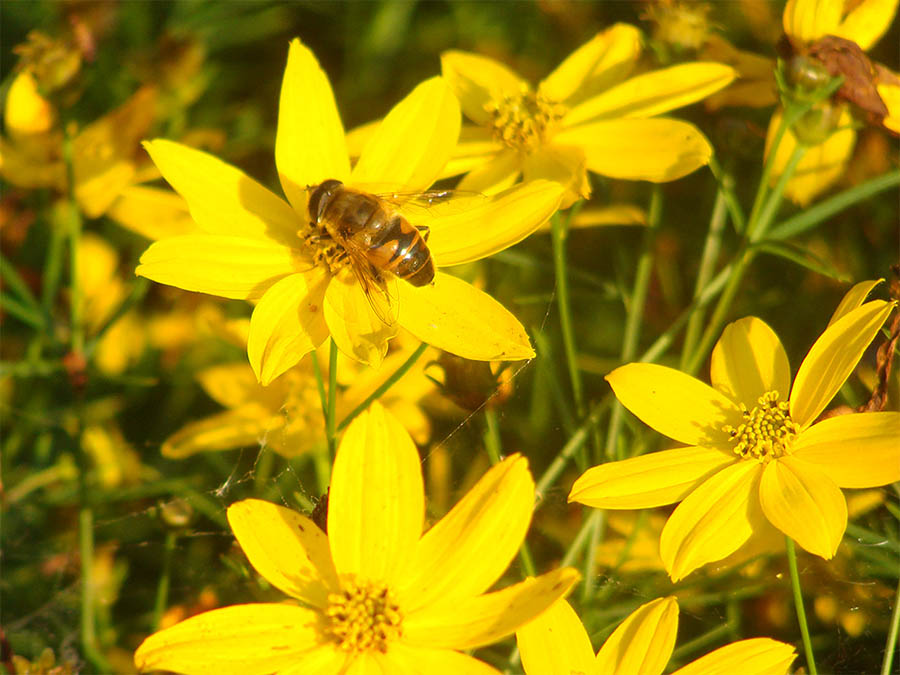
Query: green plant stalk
{"x": 798, "y": 605}
{"x": 17, "y": 284}
{"x": 88, "y": 619}
{"x": 595, "y": 534}
{"x": 559, "y": 233}
{"x": 726, "y": 187}
{"x": 384, "y": 386}
{"x": 893, "y": 634}
{"x": 330, "y": 432}
{"x": 708, "y": 638}
{"x": 165, "y": 576}
{"x": 52, "y": 267}
{"x": 264, "y": 464}
{"x": 583, "y": 536}
{"x": 136, "y": 294}
{"x": 24, "y": 313}
{"x": 76, "y": 301}
{"x": 320, "y": 384}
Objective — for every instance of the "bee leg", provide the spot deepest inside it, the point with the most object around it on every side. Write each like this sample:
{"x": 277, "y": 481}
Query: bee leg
{"x": 424, "y": 230}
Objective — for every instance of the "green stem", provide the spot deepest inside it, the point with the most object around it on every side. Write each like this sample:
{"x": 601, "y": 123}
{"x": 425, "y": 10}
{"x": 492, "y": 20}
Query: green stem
{"x": 798, "y": 605}
{"x": 757, "y": 229}
{"x": 726, "y": 189}
{"x": 330, "y": 432}
{"x": 893, "y": 632}
{"x": 162, "y": 588}
{"x": 76, "y": 301}
{"x": 52, "y": 266}
{"x": 88, "y": 620}
{"x": 17, "y": 284}
{"x": 264, "y": 463}
{"x": 384, "y": 386}
{"x": 583, "y": 536}
{"x": 24, "y": 313}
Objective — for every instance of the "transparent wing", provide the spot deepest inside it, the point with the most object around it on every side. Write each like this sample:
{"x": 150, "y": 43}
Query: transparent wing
{"x": 380, "y": 289}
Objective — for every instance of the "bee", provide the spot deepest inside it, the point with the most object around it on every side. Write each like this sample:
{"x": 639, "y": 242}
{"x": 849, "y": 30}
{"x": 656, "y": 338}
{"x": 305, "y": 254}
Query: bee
{"x": 379, "y": 243}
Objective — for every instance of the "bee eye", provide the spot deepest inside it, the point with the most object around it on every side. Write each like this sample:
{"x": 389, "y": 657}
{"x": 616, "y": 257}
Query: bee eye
{"x": 318, "y": 193}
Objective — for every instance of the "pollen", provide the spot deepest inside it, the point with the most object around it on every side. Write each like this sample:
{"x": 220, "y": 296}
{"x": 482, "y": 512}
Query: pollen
{"x": 524, "y": 120}
{"x": 767, "y": 431}
{"x": 325, "y": 251}
{"x": 363, "y": 617}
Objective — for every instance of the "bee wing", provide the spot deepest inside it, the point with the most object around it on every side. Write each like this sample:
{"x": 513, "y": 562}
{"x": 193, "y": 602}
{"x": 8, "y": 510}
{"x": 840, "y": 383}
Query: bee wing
{"x": 380, "y": 290}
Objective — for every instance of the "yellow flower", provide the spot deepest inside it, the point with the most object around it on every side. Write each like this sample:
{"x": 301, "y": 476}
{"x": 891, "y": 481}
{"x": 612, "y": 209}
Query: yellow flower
{"x": 806, "y": 21}
{"x": 376, "y": 595}
{"x": 587, "y": 115}
{"x": 756, "y": 456}
{"x": 254, "y": 246}
{"x": 557, "y": 642}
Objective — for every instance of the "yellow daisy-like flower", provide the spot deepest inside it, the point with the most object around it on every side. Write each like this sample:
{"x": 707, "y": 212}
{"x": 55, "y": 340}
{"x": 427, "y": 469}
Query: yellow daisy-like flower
{"x": 587, "y": 115}
{"x": 557, "y": 642}
{"x": 805, "y": 21}
{"x": 377, "y": 594}
{"x": 756, "y": 455}
{"x": 254, "y": 246}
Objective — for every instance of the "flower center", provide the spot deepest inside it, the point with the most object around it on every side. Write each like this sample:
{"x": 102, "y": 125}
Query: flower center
{"x": 522, "y": 121}
{"x": 363, "y": 617}
{"x": 767, "y": 431}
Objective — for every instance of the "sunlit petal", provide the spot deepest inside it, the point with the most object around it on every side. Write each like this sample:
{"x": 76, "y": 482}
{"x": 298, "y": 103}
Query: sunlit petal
{"x": 246, "y": 426}
{"x": 477, "y": 80}
{"x": 854, "y": 298}
{"x": 376, "y": 507}
{"x": 493, "y": 174}
{"x": 309, "y": 143}
{"x": 677, "y": 405}
{"x": 803, "y": 502}
{"x": 646, "y": 481}
{"x": 868, "y": 21}
{"x": 748, "y": 361}
{"x": 356, "y": 329}
{"x": 833, "y": 357}
{"x": 152, "y": 213}
{"x": 713, "y": 521}
{"x": 408, "y": 659}
{"x": 756, "y": 656}
{"x": 231, "y": 384}
{"x": 808, "y": 20}
{"x": 325, "y": 659}
{"x": 643, "y": 643}
{"x": 555, "y": 642}
{"x": 475, "y": 147}
{"x": 563, "y": 164}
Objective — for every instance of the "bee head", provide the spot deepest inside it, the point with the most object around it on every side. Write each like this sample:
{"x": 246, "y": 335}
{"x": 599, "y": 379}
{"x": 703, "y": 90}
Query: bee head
{"x": 320, "y": 196}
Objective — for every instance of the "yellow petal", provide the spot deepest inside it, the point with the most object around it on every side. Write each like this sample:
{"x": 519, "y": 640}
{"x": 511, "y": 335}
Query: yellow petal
{"x": 656, "y": 150}
{"x": 414, "y": 141}
{"x": 643, "y": 643}
{"x": 868, "y": 21}
{"x": 756, "y": 656}
{"x": 476, "y": 146}
{"x": 355, "y": 327}
{"x": 808, "y": 20}
{"x": 854, "y": 298}
{"x": 472, "y": 622}
{"x": 713, "y": 521}
{"x": 289, "y": 550}
{"x": 453, "y": 315}
{"x": 26, "y": 112}
{"x": 563, "y": 164}
{"x": 856, "y": 451}
{"x": 648, "y": 480}
{"x": 832, "y": 358}
{"x": 493, "y": 174}
{"x": 231, "y": 384}
{"x": 654, "y": 93}
{"x": 239, "y": 640}
{"x": 287, "y": 323}
{"x": 470, "y": 547}
{"x": 152, "y": 213}
{"x": 414, "y": 660}
{"x": 477, "y": 80}
{"x": 309, "y": 143}
{"x": 555, "y": 642}
{"x": 245, "y": 427}
{"x": 605, "y": 59}
{"x": 677, "y": 405}
{"x": 376, "y": 508}
{"x": 490, "y": 225}
{"x": 803, "y": 502}
{"x": 230, "y": 267}
{"x": 325, "y": 659}
{"x": 614, "y": 214}
{"x": 748, "y": 361}
{"x": 890, "y": 95}
{"x": 222, "y": 199}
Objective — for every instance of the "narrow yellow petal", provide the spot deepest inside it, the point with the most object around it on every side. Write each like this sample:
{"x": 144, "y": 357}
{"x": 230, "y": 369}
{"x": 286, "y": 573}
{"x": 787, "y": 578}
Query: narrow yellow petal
{"x": 355, "y": 327}
{"x": 605, "y": 59}
{"x": 808, "y": 20}
{"x": 287, "y": 549}
{"x": 833, "y": 357}
{"x": 854, "y": 298}
{"x": 152, "y": 213}
{"x": 309, "y": 143}
{"x": 237, "y": 640}
{"x": 407, "y": 659}
{"x": 890, "y": 95}
{"x": 713, "y": 521}
{"x": 469, "y": 548}
{"x": 376, "y": 507}
{"x": 415, "y": 140}
{"x": 222, "y": 199}
{"x": 656, "y": 150}
{"x": 477, "y": 80}
{"x": 230, "y": 267}
{"x": 325, "y": 659}
{"x": 647, "y": 481}
{"x": 676, "y": 405}
{"x": 493, "y": 174}
{"x": 26, "y": 112}
{"x": 563, "y": 164}
{"x": 643, "y": 643}
{"x": 473, "y": 622}
{"x": 287, "y": 323}
{"x": 490, "y": 224}
{"x": 231, "y": 384}
{"x": 756, "y": 656}
{"x": 856, "y": 451}
{"x": 868, "y": 21}
{"x": 654, "y": 93}
{"x": 555, "y": 642}
{"x": 453, "y": 315}
{"x": 803, "y": 502}
{"x": 244, "y": 427}
{"x": 748, "y": 361}
{"x": 476, "y": 146}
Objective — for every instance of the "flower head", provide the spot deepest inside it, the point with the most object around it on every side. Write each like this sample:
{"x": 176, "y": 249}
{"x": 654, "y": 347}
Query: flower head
{"x": 375, "y": 592}
{"x": 252, "y": 245}
{"x": 757, "y": 457}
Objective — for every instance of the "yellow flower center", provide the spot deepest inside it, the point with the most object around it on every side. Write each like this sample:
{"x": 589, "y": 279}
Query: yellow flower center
{"x": 523, "y": 121}
{"x": 767, "y": 431}
{"x": 363, "y": 617}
